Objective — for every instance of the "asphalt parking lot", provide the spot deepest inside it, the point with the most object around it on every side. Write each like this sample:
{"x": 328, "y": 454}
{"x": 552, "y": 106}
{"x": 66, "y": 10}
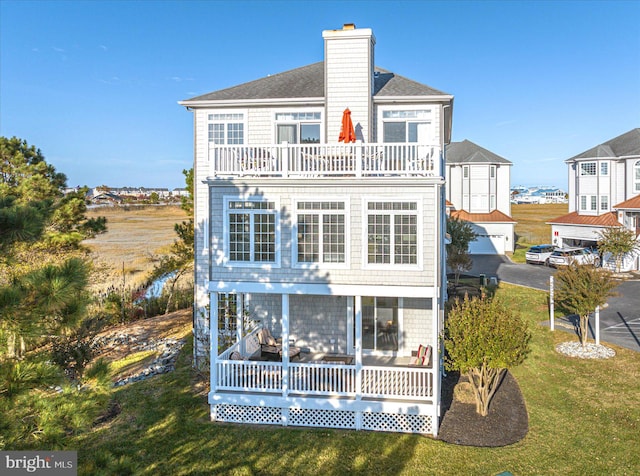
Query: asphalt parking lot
{"x": 619, "y": 320}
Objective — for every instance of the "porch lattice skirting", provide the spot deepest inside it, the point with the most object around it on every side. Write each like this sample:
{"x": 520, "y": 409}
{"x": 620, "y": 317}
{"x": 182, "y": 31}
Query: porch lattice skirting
{"x": 345, "y": 419}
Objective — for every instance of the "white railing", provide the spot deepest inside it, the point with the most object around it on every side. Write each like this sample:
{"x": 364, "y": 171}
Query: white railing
{"x": 318, "y": 160}
{"x": 322, "y": 379}
{"x": 397, "y": 382}
{"x": 326, "y": 379}
{"x": 249, "y": 376}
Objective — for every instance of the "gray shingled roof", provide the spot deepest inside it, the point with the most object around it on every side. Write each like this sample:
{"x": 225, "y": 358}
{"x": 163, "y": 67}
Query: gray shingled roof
{"x": 466, "y": 152}
{"x": 622, "y": 146}
{"x": 308, "y": 82}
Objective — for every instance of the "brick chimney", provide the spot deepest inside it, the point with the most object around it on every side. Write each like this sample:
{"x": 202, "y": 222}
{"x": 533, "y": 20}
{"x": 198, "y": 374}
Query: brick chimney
{"x": 348, "y": 79}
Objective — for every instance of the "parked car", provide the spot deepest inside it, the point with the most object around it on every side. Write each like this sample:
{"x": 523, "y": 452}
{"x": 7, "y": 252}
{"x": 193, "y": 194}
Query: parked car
{"x": 566, "y": 256}
{"x": 539, "y": 254}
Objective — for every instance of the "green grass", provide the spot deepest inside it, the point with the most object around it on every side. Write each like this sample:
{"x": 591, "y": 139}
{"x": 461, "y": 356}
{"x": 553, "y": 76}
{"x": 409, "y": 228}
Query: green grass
{"x": 584, "y": 419}
{"x": 531, "y": 227}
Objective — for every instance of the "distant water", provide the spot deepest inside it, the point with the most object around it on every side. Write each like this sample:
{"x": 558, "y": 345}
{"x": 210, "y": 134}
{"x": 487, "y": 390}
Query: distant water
{"x": 155, "y": 289}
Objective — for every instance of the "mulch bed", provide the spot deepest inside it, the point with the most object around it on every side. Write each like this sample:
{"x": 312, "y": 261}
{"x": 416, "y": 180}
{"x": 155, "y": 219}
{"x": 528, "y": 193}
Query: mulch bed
{"x": 506, "y": 424}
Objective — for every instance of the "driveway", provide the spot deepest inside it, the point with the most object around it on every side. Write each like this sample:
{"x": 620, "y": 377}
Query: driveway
{"x": 619, "y": 321}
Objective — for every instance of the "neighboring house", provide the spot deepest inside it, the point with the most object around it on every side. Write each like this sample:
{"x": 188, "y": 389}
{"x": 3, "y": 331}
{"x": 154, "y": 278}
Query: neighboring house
{"x": 105, "y": 197}
{"x": 479, "y": 187}
{"x": 604, "y": 191}
{"x": 335, "y": 248}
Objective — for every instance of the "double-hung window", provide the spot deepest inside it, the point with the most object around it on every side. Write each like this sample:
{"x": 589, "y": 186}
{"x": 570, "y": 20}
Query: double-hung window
{"x": 412, "y": 125}
{"x": 604, "y": 168}
{"x": 604, "y": 202}
{"x": 321, "y": 232}
{"x": 226, "y": 128}
{"x": 392, "y": 233}
{"x": 252, "y": 231}
{"x": 636, "y": 177}
{"x": 588, "y": 202}
{"x": 298, "y": 127}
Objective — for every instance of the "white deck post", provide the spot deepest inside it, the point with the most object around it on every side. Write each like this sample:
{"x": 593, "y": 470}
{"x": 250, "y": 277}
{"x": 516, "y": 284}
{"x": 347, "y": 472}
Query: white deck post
{"x": 350, "y": 324}
{"x": 551, "y": 305}
{"x": 213, "y": 341}
{"x": 240, "y": 322}
{"x": 358, "y": 347}
{"x": 285, "y": 345}
{"x": 597, "y": 325}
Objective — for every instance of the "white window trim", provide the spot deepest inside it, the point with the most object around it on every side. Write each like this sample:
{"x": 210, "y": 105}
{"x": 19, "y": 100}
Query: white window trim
{"x": 275, "y": 123}
{"x": 580, "y": 169}
{"x": 407, "y": 107}
{"x": 244, "y": 121}
{"x": 226, "y": 261}
{"x": 634, "y": 178}
{"x": 365, "y": 234}
{"x": 347, "y": 232}
{"x": 608, "y": 164}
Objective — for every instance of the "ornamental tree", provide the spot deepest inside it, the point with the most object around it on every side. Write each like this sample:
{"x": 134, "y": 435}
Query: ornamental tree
{"x": 461, "y": 234}
{"x": 580, "y": 289}
{"x": 484, "y": 338}
{"x": 618, "y": 241}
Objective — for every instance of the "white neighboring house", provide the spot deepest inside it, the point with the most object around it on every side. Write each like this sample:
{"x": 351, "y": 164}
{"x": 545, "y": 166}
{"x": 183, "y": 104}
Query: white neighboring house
{"x": 479, "y": 187}
{"x": 604, "y": 191}
{"x": 335, "y": 248}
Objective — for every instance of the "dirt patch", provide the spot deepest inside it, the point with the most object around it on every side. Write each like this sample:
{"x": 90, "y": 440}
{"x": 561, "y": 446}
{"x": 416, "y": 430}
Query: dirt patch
{"x": 173, "y": 325}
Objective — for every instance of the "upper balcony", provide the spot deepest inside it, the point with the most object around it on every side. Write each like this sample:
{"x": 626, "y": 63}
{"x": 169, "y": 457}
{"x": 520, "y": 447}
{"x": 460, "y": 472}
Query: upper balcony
{"x": 326, "y": 160}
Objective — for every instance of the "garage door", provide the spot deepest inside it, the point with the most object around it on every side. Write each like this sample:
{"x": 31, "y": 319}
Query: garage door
{"x": 487, "y": 245}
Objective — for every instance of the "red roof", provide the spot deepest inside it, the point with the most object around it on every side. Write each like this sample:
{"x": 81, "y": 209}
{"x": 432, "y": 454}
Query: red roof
{"x": 632, "y": 203}
{"x": 494, "y": 216}
{"x": 606, "y": 219}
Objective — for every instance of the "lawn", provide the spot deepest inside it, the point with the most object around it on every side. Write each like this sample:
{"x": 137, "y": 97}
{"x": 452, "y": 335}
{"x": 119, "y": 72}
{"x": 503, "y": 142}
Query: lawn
{"x": 532, "y": 228}
{"x": 584, "y": 419}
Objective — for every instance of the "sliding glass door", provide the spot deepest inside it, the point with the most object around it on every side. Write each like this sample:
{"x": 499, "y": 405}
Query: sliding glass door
{"x": 379, "y": 323}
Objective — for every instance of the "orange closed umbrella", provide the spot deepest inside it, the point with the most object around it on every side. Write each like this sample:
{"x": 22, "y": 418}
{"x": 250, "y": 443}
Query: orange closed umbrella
{"x": 347, "y": 133}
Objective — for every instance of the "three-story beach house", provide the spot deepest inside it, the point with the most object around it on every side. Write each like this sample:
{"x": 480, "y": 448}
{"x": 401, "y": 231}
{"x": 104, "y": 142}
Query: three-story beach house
{"x": 604, "y": 192}
{"x": 319, "y": 243}
{"x": 479, "y": 190}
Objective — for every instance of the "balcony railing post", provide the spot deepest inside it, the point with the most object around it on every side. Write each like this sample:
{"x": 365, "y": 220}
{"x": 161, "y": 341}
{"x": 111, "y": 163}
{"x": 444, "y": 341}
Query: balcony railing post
{"x": 284, "y": 158}
{"x": 359, "y": 156}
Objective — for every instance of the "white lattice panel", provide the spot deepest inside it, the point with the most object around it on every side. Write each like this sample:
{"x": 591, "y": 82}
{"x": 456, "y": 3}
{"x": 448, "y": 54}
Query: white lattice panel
{"x": 247, "y": 414}
{"x": 322, "y": 418}
{"x": 397, "y": 423}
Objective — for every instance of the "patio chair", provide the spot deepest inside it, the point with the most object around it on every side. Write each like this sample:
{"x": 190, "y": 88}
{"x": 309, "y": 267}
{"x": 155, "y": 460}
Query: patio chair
{"x": 271, "y": 348}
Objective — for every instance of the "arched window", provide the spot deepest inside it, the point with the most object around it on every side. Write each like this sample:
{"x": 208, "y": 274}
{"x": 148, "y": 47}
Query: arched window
{"x": 636, "y": 176}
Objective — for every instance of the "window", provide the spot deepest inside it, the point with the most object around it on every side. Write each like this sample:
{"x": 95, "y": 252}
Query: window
{"x": 492, "y": 171}
{"x": 492, "y": 202}
{"x": 226, "y": 128}
{"x": 587, "y": 168}
{"x": 588, "y": 203}
{"x": 321, "y": 232}
{"x": 604, "y": 168}
{"x": 380, "y": 323}
{"x": 636, "y": 177}
{"x": 392, "y": 233}
{"x": 604, "y": 202}
{"x": 406, "y": 125}
{"x": 465, "y": 171}
{"x": 298, "y": 127}
{"x": 251, "y": 231}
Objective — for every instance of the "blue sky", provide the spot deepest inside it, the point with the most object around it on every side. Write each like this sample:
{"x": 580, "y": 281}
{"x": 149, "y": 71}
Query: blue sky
{"x": 95, "y": 84}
